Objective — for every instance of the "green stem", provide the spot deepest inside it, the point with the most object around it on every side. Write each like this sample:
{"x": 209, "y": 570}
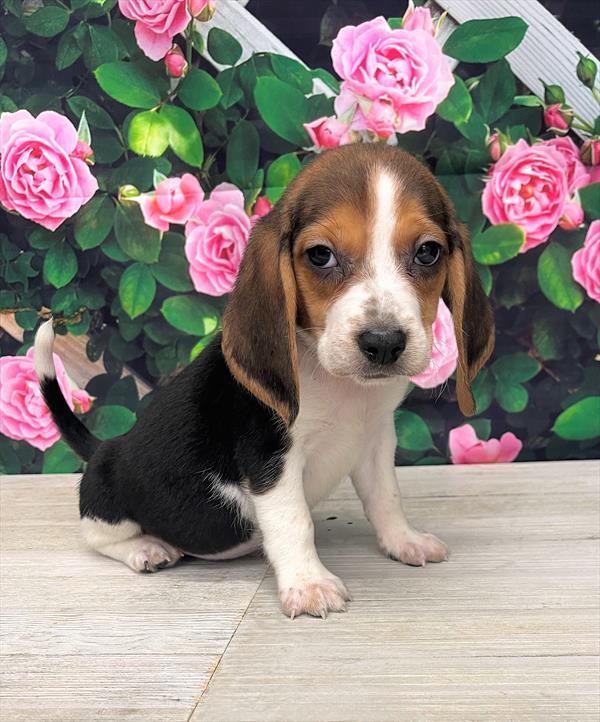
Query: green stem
{"x": 596, "y": 94}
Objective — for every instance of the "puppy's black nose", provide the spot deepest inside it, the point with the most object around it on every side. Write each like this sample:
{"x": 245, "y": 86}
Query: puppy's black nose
{"x": 382, "y": 347}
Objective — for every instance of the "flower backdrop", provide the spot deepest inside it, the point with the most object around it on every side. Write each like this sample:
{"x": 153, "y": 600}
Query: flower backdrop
{"x": 131, "y": 173}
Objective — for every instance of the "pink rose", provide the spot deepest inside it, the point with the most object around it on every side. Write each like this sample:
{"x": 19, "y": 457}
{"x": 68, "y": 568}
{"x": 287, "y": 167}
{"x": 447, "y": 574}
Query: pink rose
{"x": 572, "y": 216}
{"x": 174, "y": 201}
{"x": 594, "y": 172}
{"x": 444, "y": 353}
{"x": 577, "y": 174}
{"x": 216, "y": 238}
{"x": 40, "y": 176}
{"x": 262, "y": 206}
{"x": 558, "y": 119}
{"x": 527, "y": 186}
{"x": 590, "y": 152}
{"x": 175, "y": 63}
{"x": 157, "y": 23}
{"x": 586, "y": 262}
{"x": 466, "y": 448}
{"x": 382, "y": 118}
{"x": 327, "y": 132}
{"x": 418, "y": 19}
{"x": 405, "y": 65}
{"x": 24, "y": 415}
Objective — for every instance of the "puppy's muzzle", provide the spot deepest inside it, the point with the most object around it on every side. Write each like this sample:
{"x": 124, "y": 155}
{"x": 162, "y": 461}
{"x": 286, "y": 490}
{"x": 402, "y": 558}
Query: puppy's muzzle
{"x": 382, "y": 347}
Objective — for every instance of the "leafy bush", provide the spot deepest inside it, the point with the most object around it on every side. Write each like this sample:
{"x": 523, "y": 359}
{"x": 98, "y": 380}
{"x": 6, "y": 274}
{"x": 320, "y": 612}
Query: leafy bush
{"x": 128, "y": 288}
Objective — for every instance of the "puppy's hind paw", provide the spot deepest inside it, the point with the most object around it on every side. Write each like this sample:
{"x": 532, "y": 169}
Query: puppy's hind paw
{"x": 150, "y": 554}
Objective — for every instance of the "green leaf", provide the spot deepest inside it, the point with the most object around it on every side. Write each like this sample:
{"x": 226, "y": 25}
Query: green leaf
{"x": 69, "y": 47}
{"x": 555, "y": 278}
{"x": 190, "y": 315}
{"x": 47, "y": 21}
{"x": 136, "y": 289}
{"x": 60, "y": 264}
{"x": 136, "y": 239}
{"x": 110, "y": 421}
{"x": 93, "y": 222}
{"x": 590, "y": 200}
{"x": 485, "y": 276}
{"x": 458, "y": 105}
{"x": 483, "y": 428}
{"x": 474, "y": 129}
{"x": 228, "y": 81}
{"x": 292, "y": 72}
{"x": 283, "y": 108}
{"x": 59, "y": 459}
{"x": 412, "y": 432}
{"x": 3, "y": 52}
{"x": 97, "y": 116}
{"x": 494, "y": 94}
{"x": 172, "y": 269}
{"x": 129, "y": 84}
{"x": 498, "y": 243}
{"x": 512, "y": 398}
{"x": 280, "y": 173}
{"x": 580, "y": 421}
{"x": 101, "y": 46}
{"x": 242, "y": 154}
{"x": 516, "y": 368}
{"x": 326, "y": 77}
{"x": 148, "y": 133}
{"x": 223, "y": 48}
{"x": 184, "y": 137}
{"x": 199, "y": 90}
{"x": 484, "y": 41}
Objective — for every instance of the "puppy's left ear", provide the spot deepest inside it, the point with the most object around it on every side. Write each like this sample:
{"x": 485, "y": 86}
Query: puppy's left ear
{"x": 471, "y": 312}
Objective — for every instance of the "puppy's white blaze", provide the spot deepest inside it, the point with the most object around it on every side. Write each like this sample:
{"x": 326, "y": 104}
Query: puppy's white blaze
{"x": 42, "y": 352}
{"x": 381, "y": 258}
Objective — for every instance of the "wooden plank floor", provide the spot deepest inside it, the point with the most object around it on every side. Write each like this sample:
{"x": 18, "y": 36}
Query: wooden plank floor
{"x": 508, "y": 629}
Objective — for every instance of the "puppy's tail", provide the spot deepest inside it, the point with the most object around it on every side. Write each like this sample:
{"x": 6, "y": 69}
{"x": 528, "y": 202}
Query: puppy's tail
{"x": 74, "y": 432}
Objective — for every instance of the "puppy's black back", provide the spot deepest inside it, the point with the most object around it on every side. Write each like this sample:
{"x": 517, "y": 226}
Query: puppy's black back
{"x": 201, "y": 431}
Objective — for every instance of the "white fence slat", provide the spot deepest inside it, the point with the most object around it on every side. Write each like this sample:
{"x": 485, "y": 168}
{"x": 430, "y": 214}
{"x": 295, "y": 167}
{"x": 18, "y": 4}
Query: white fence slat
{"x": 548, "y": 51}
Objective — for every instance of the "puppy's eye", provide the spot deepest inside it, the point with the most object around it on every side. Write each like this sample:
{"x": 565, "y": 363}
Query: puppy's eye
{"x": 428, "y": 253}
{"x": 322, "y": 257}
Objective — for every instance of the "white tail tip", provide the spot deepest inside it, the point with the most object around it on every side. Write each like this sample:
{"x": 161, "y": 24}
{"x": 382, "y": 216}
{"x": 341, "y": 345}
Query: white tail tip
{"x": 42, "y": 352}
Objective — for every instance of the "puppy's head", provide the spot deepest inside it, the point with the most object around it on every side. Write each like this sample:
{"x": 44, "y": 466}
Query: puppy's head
{"x": 355, "y": 257}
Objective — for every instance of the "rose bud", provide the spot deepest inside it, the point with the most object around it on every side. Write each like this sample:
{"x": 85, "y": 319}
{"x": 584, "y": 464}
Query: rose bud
{"x": 84, "y": 152}
{"x": 128, "y": 193}
{"x": 586, "y": 71}
{"x": 175, "y": 62}
{"x": 202, "y": 10}
{"x": 553, "y": 94}
{"x": 572, "y": 216}
{"x": 590, "y": 152}
{"x": 558, "y": 119}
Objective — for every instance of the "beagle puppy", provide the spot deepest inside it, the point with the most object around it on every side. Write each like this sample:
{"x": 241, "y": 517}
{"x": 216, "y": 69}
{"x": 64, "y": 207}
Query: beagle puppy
{"x": 331, "y": 314}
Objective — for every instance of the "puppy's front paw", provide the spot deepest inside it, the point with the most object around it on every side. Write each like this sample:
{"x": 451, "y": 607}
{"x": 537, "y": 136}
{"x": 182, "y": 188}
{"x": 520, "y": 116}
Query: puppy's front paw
{"x": 315, "y": 597}
{"x": 416, "y": 549}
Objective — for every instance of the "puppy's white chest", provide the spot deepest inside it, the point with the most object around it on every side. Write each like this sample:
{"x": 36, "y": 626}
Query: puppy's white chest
{"x": 335, "y": 427}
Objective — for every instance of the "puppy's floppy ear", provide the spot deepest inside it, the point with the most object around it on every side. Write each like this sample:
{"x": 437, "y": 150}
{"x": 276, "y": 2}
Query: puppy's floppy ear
{"x": 259, "y": 324}
{"x": 471, "y": 312}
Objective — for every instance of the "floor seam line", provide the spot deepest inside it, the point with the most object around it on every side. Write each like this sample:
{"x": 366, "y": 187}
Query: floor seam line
{"x": 218, "y": 664}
